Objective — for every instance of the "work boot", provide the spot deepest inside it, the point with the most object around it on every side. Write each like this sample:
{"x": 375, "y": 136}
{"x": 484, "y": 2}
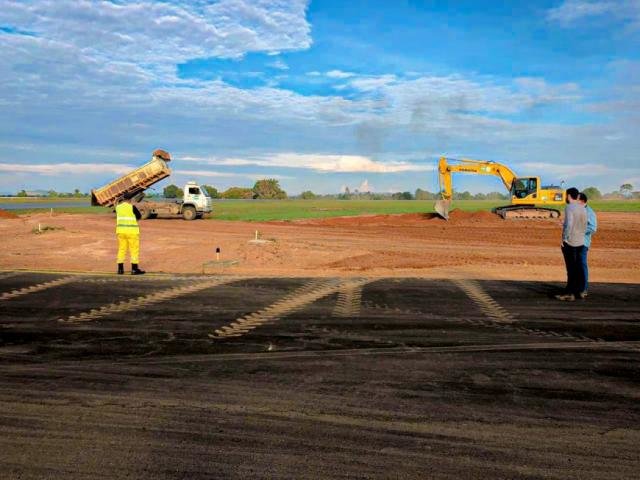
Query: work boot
{"x": 121, "y": 269}
{"x": 567, "y": 297}
{"x": 135, "y": 270}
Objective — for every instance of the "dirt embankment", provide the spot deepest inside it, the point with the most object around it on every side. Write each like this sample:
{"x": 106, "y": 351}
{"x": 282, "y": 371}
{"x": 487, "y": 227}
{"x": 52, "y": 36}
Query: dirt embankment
{"x": 5, "y": 214}
{"x": 478, "y": 244}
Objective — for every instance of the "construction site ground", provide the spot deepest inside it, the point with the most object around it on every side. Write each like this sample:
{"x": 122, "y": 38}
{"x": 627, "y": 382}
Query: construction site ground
{"x": 479, "y": 245}
{"x": 397, "y": 346}
{"x": 233, "y": 377}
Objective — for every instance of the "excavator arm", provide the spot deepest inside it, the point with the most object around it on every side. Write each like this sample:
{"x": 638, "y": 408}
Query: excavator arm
{"x": 478, "y": 167}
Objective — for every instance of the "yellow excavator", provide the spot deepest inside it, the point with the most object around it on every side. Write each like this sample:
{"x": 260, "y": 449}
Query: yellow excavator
{"x": 528, "y": 197}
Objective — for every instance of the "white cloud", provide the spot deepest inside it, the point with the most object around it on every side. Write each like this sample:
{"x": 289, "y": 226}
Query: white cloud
{"x": 344, "y": 163}
{"x": 217, "y": 161}
{"x": 101, "y": 77}
{"x": 570, "y": 12}
{"x": 206, "y": 173}
{"x": 279, "y": 64}
{"x": 165, "y": 32}
{"x": 74, "y": 150}
{"x": 319, "y": 162}
{"x": 566, "y": 169}
{"x": 338, "y": 74}
{"x": 591, "y": 172}
{"x": 540, "y": 91}
{"x": 213, "y": 174}
{"x": 444, "y": 95}
{"x": 56, "y": 169}
{"x": 138, "y": 98}
{"x": 370, "y": 83}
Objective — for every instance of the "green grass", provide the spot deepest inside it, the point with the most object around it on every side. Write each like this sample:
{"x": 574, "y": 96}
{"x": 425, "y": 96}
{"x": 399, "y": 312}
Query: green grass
{"x": 266, "y": 210}
{"x": 99, "y": 210}
{"x": 615, "y": 205}
{"x": 43, "y": 199}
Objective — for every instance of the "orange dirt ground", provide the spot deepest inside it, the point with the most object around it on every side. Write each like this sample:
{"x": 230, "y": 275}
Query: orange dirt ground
{"x": 5, "y": 214}
{"x": 474, "y": 245}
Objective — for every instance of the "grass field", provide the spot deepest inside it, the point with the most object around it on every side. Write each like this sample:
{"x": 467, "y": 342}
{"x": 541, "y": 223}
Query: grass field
{"x": 44, "y": 200}
{"x": 294, "y": 209}
{"x": 265, "y": 210}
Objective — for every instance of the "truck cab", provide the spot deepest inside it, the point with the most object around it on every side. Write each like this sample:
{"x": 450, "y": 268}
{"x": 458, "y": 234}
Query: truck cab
{"x": 195, "y": 200}
{"x": 195, "y": 203}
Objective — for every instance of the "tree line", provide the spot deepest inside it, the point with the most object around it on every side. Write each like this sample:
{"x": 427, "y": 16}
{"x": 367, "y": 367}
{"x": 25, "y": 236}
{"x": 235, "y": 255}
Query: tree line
{"x": 53, "y": 194}
{"x": 269, "y": 188}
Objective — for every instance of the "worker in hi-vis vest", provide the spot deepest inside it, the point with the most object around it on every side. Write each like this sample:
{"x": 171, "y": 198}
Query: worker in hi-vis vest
{"x": 128, "y": 234}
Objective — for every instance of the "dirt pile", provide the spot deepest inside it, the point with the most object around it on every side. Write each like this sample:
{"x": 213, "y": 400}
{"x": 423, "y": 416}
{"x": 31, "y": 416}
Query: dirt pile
{"x": 5, "y": 214}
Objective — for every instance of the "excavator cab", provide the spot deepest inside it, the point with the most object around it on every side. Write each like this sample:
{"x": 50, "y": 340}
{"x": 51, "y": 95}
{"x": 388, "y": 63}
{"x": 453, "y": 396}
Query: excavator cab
{"x": 524, "y": 189}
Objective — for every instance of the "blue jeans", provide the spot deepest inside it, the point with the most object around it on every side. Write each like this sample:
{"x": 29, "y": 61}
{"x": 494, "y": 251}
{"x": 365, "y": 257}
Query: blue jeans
{"x": 585, "y": 267}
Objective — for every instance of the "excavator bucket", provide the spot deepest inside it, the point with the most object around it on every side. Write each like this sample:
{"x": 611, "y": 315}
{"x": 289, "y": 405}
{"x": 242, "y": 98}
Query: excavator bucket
{"x": 442, "y": 208}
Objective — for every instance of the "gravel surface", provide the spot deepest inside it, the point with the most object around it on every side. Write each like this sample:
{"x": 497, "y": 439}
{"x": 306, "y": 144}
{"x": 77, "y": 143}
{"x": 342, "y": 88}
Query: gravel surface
{"x": 189, "y": 377}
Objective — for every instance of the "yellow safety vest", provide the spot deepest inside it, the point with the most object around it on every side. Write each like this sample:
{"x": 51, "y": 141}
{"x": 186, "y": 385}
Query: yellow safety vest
{"x": 127, "y": 222}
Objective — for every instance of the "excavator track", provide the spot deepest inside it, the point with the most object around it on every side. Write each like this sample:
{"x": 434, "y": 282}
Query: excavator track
{"x": 526, "y": 211}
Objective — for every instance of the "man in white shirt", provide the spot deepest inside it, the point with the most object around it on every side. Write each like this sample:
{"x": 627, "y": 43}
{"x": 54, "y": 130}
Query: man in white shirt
{"x": 573, "y": 232}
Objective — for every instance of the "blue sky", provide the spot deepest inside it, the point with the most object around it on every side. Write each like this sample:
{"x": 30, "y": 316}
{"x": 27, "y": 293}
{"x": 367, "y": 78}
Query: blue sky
{"x": 321, "y": 94}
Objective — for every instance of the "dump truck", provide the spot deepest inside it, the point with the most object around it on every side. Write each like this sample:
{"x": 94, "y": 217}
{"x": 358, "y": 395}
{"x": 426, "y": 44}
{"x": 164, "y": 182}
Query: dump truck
{"x": 195, "y": 202}
{"x": 529, "y": 198}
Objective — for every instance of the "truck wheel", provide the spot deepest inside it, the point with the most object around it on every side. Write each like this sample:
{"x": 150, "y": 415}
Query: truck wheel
{"x": 189, "y": 213}
{"x": 144, "y": 213}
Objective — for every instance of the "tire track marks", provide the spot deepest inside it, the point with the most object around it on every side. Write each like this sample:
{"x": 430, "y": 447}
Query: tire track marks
{"x": 146, "y": 300}
{"x": 349, "y": 300}
{"x": 36, "y": 288}
{"x": 483, "y": 300}
{"x": 8, "y": 275}
{"x": 309, "y": 293}
{"x": 502, "y": 319}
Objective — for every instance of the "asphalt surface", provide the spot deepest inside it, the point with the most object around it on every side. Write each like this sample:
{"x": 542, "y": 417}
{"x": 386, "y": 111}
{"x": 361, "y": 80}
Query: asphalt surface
{"x": 205, "y": 377}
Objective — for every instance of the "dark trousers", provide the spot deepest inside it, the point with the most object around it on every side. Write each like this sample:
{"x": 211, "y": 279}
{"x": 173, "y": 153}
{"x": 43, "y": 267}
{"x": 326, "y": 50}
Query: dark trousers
{"x": 575, "y": 273}
{"x": 585, "y": 268}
